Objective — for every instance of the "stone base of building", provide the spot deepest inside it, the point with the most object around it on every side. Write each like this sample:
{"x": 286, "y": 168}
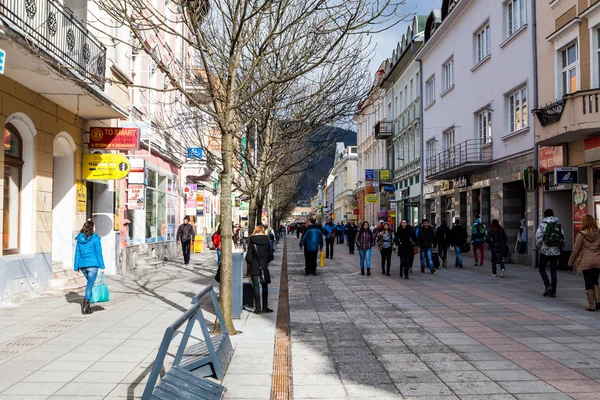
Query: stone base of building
{"x": 139, "y": 255}
{"x": 24, "y": 276}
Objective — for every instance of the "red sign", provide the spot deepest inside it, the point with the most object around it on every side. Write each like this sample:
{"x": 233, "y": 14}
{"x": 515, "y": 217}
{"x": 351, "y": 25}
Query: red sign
{"x": 115, "y": 138}
{"x": 550, "y": 157}
{"x": 580, "y": 202}
{"x": 356, "y": 211}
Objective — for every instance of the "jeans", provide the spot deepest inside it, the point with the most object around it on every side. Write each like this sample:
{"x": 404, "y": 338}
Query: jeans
{"x": 386, "y": 257}
{"x": 265, "y": 293}
{"x": 365, "y": 255}
{"x": 185, "y": 246}
{"x": 90, "y": 274}
{"x": 404, "y": 265}
{"x": 218, "y": 256}
{"x": 459, "y": 261}
{"x": 480, "y": 247}
{"x": 426, "y": 258}
{"x": 310, "y": 261}
{"x": 590, "y": 276}
{"x": 553, "y": 260}
{"x": 329, "y": 247}
{"x": 497, "y": 258}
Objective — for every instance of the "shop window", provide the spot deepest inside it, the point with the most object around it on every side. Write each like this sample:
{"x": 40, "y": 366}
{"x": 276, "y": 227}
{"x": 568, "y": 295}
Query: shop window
{"x": 13, "y": 165}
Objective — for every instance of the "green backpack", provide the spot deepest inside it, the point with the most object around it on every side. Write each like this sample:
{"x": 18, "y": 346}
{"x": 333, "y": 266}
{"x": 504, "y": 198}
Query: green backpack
{"x": 553, "y": 235}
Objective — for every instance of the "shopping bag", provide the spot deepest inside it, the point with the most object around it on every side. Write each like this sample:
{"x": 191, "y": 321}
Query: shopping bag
{"x": 100, "y": 292}
{"x": 322, "y": 260}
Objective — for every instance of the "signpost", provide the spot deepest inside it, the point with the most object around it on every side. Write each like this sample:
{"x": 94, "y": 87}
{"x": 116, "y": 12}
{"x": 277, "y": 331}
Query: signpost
{"x": 2, "y": 60}
{"x": 114, "y": 138}
{"x": 103, "y": 167}
{"x": 194, "y": 153}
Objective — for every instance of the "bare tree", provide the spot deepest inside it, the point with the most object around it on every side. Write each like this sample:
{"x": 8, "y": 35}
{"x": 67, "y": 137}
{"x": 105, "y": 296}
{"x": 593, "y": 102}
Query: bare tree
{"x": 233, "y": 41}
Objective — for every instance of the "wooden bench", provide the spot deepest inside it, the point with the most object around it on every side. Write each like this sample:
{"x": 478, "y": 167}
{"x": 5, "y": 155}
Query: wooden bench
{"x": 210, "y": 357}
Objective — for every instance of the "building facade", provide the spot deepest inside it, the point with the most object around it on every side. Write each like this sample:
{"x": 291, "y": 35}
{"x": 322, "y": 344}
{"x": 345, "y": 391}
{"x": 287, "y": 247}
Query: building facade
{"x": 345, "y": 172}
{"x": 568, "y": 117}
{"x": 478, "y": 143}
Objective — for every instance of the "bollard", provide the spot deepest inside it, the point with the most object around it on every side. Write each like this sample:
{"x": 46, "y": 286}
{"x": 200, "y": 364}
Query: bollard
{"x": 237, "y": 277}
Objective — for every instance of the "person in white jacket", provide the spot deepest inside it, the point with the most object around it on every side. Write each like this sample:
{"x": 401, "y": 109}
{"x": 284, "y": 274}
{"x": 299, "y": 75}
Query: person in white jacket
{"x": 550, "y": 239}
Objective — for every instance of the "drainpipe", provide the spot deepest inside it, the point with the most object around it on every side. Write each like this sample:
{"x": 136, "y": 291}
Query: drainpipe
{"x": 421, "y": 150}
{"x": 536, "y": 207}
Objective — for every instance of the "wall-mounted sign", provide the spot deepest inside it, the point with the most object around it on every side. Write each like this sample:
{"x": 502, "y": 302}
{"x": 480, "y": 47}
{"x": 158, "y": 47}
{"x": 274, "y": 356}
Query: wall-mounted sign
{"x": 370, "y": 189}
{"x": 356, "y": 211}
{"x": 411, "y": 204}
{"x": 114, "y": 138}
{"x": 81, "y": 197}
{"x": 2, "y": 61}
{"x": 372, "y": 198}
{"x": 389, "y": 188}
{"x": 369, "y": 174}
{"x": 392, "y": 214}
{"x": 137, "y": 173}
{"x": 566, "y": 175}
{"x": 385, "y": 175}
{"x": 199, "y": 244}
{"x": 429, "y": 189}
{"x": 580, "y": 202}
{"x": 102, "y": 167}
{"x": 194, "y": 153}
{"x": 446, "y": 185}
{"x": 550, "y": 158}
{"x": 136, "y": 197}
{"x": 530, "y": 179}
{"x": 405, "y": 193}
{"x": 461, "y": 182}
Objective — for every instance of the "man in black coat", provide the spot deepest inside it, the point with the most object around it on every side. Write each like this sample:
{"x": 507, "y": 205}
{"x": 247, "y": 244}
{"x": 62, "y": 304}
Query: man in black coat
{"x": 426, "y": 242}
{"x": 351, "y": 230}
{"x": 458, "y": 238}
{"x": 442, "y": 236}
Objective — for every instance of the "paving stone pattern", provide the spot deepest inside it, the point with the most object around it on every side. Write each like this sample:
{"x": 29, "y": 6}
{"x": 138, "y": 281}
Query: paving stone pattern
{"x": 457, "y": 334}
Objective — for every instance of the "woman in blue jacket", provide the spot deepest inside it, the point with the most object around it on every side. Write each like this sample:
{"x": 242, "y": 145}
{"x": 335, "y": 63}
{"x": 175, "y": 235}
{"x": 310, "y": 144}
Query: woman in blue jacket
{"x": 88, "y": 259}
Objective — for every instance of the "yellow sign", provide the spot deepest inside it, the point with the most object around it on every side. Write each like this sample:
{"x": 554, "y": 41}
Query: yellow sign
{"x": 81, "y": 197}
{"x": 372, "y": 198}
{"x": 384, "y": 175}
{"x": 199, "y": 244}
{"x": 102, "y": 167}
{"x": 332, "y": 215}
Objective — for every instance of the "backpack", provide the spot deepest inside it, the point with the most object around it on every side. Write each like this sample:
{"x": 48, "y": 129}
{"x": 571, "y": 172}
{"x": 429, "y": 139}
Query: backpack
{"x": 479, "y": 231}
{"x": 552, "y": 235}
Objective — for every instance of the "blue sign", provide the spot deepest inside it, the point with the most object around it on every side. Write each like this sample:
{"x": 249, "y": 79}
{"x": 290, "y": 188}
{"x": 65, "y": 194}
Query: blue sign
{"x": 369, "y": 174}
{"x": 2, "y": 60}
{"x": 194, "y": 153}
{"x": 389, "y": 188}
{"x": 567, "y": 175}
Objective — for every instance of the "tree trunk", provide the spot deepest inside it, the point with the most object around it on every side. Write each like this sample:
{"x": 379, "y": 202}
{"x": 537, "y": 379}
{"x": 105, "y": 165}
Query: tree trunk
{"x": 259, "y": 206}
{"x": 252, "y": 209}
{"x": 226, "y": 231}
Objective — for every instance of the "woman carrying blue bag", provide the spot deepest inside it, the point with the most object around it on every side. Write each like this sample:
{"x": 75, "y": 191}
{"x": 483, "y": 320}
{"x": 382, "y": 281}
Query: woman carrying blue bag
{"x": 88, "y": 259}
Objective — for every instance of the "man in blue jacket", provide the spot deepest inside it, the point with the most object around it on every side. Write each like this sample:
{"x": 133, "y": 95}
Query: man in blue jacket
{"x": 329, "y": 232}
{"x": 312, "y": 241}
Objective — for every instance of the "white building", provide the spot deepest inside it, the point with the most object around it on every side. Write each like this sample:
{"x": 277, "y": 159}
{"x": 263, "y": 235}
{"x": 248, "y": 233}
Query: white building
{"x": 477, "y": 71}
{"x": 402, "y": 83}
{"x": 344, "y": 183}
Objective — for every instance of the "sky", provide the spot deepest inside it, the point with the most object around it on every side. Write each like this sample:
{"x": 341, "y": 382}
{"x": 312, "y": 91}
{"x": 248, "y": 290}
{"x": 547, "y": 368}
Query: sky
{"x": 386, "y": 41}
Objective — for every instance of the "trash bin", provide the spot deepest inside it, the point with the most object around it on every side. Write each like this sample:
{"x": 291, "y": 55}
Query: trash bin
{"x": 237, "y": 277}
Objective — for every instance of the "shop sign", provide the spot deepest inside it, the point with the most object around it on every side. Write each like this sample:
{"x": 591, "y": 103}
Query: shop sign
{"x": 566, "y": 175}
{"x": 385, "y": 175}
{"x": 191, "y": 204}
{"x": 114, "y": 138}
{"x": 136, "y": 197}
{"x": 461, "y": 182}
{"x": 389, "y": 189}
{"x": 103, "y": 167}
{"x": 200, "y": 203}
{"x": 81, "y": 198}
{"x": 372, "y": 198}
{"x": 429, "y": 189}
{"x": 2, "y": 61}
{"x": 550, "y": 158}
{"x": 137, "y": 173}
{"x": 592, "y": 149}
{"x": 369, "y": 174}
{"x": 580, "y": 202}
{"x": 194, "y": 153}
{"x": 410, "y": 204}
{"x": 199, "y": 244}
{"x": 190, "y": 188}
{"x": 596, "y": 177}
{"x": 356, "y": 211}
{"x": 392, "y": 214}
{"x": 405, "y": 193}
{"x": 446, "y": 185}
{"x": 530, "y": 179}
{"x": 333, "y": 216}
{"x": 392, "y": 206}
{"x": 370, "y": 189}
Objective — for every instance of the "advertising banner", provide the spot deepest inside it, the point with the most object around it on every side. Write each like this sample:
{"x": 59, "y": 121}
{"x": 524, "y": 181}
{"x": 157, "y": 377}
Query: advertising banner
{"x": 580, "y": 202}
{"x": 372, "y": 198}
{"x": 385, "y": 175}
{"x": 136, "y": 197}
{"x": 369, "y": 175}
{"x": 137, "y": 173}
{"x": 199, "y": 244}
{"x": 102, "y": 167}
{"x": 81, "y": 197}
{"x": 114, "y": 138}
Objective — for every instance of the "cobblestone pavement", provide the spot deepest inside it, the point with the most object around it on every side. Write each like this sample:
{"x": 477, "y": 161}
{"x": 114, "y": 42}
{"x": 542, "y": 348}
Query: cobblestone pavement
{"x": 48, "y": 350}
{"x": 455, "y": 334}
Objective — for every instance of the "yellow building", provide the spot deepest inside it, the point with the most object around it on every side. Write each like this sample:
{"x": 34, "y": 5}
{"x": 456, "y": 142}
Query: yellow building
{"x": 53, "y": 89}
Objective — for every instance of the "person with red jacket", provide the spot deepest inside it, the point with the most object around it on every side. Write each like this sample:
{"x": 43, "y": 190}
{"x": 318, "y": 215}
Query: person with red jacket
{"x": 216, "y": 239}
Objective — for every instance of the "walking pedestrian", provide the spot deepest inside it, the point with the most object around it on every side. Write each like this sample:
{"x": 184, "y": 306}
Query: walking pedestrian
{"x": 426, "y": 242}
{"x": 258, "y": 257}
{"x": 550, "y": 239}
{"x": 478, "y": 237}
{"x": 245, "y": 237}
{"x": 185, "y": 235}
{"x": 329, "y": 232}
{"x": 339, "y": 233}
{"x": 405, "y": 240}
{"x": 522, "y": 236}
{"x": 458, "y": 239}
{"x": 385, "y": 243}
{"x": 88, "y": 259}
{"x": 216, "y": 240}
{"x": 585, "y": 256}
{"x": 351, "y": 231}
{"x": 312, "y": 241}
{"x": 365, "y": 240}
{"x": 442, "y": 236}
{"x": 497, "y": 239}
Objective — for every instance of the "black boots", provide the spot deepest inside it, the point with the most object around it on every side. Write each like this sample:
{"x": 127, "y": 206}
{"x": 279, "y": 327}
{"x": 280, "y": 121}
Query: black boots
{"x": 362, "y": 271}
{"x": 368, "y": 271}
{"x": 265, "y": 304}
{"x": 86, "y": 307}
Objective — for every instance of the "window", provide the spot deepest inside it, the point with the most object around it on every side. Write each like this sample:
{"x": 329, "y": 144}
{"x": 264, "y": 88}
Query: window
{"x": 484, "y": 127}
{"x": 411, "y": 91}
{"x": 569, "y": 63}
{"x": 448, "y": 74}
{"x": 483, "y": 44}
{"x": 517, "y": 110}
{"x": 449, "y": 139}
{"x": 430, "y": 91}
{"x": 430, "y": 149}
{"x": 13, "y": 164}
{"x": 419, "y": 82}
{"x": 598, "y": 55}
{"x": 516, "y": 15}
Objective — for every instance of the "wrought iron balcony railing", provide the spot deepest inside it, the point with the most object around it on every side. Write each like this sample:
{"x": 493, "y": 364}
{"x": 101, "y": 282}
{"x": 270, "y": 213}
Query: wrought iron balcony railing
{"x": 47, "y": 24}
{"x": 460, "y": 156}
{"x": 383, "y": 129}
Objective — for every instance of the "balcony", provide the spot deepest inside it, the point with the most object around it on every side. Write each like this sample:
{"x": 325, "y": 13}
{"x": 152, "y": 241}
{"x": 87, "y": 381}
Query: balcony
{"x": 48, "y": 25}
{"x": 458, "y": 160}
{"x": 383, "y": 130}
{"x": 574, "y": 117}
